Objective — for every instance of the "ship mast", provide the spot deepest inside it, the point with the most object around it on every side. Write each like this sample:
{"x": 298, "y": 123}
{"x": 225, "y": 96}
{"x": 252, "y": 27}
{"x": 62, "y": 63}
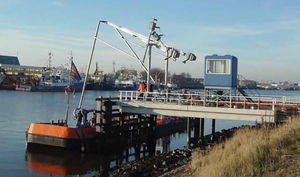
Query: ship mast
{"x": 50, "y": 54}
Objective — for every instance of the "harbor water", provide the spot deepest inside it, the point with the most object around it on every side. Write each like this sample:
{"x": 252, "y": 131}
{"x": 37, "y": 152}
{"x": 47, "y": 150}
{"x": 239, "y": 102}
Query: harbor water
{"x": 19, "y": 109}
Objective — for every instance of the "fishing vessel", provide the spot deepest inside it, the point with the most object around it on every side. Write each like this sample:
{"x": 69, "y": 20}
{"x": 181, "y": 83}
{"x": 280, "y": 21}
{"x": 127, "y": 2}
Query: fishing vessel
{"x": 100, "y": 81}
{"x": 6, "y": 82}
{"x": 130, "y": 84}
{"x": 59, "y": 134}
{"x": 51, "y": 80}
{"x": 2, "y": 75}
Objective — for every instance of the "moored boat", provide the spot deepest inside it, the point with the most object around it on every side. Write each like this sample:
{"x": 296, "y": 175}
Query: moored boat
{"x": 60, "y": 136}
{"x": 6, "y": 82}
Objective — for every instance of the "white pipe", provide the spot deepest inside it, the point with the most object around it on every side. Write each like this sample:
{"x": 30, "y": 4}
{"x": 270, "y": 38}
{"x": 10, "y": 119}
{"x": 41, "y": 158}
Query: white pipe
{"x": 110, "y": 45}
{"x": 149, "y": 69}
{"x": 88, "y": 67}
{"x": 166, "y": 73}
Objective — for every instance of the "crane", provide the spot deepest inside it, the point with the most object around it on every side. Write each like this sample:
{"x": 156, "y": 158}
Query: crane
{"x": 153, "y": 39}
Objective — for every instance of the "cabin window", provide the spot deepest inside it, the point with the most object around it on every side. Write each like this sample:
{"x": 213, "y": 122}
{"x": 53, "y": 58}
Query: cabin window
{"x": 217, "y": 66}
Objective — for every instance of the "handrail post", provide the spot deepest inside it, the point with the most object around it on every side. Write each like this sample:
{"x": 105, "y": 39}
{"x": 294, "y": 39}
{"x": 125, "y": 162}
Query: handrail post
{"x": 204, "y": 103}
{"x": 217, "y": 100}
{"x": 273, "y": 104}
{"x": 131, "y": 97}
{"x": 126, "y": 95}
{"x": 121, "y": 96}
{"x": 166, "y": 100}
{"x": 230, "y": 100}
{"x": 136, "y": 95}
{"x": 258, "y": 102}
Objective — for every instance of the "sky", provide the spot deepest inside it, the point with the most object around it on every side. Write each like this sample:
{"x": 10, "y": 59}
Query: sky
{"x": 263, "y": 34}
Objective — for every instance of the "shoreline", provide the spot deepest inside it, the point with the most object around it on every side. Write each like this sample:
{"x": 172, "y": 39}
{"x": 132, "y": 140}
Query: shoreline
{"x": 178, "y": 162}
{"x": 170, "y": 163}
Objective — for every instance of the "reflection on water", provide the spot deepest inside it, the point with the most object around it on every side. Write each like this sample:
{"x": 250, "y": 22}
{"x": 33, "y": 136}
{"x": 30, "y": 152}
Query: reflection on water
{"x": 47, "y": 161}
{"x": 51, "y": 162}
{"x": 163, "y": 145}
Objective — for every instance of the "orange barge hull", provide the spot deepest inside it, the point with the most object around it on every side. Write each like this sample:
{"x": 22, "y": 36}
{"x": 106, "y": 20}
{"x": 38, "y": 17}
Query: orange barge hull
{"x": 60, "y": 136}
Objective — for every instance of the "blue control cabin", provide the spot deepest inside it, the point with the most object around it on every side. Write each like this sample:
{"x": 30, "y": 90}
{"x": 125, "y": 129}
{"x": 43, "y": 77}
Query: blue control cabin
{"x": 220, "y": 72}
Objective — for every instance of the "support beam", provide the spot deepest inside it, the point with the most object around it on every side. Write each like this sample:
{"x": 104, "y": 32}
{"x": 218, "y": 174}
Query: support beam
{"x": 196, "y": 129}
{"x": 88, "y": 67}
{"x": 202, "y": 128}
{"x": 188, "y": 131}
{"x": 166, "y": 73}
{"x": 99, "y": 115}
{"x": 137, "y": 151}
{"x": 133, "y": 52}
{"x": 213, "y": 128}
{"x": 149, "y": 69}
{"x": 107, "y": 116}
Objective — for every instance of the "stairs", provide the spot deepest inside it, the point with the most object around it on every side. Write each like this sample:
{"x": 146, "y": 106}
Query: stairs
{"x": 245, "y": 95}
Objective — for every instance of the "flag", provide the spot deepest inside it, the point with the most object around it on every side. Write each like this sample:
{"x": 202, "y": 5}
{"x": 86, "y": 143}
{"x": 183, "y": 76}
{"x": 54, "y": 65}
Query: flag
{"x": 74, "y": 72}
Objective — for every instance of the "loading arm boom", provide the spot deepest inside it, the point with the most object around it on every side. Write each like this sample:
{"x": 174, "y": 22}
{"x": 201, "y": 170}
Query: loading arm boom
{"x": 157, "y": 43}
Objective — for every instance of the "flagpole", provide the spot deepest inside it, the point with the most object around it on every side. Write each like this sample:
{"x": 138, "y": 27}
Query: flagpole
{"x": 68, "y": 92}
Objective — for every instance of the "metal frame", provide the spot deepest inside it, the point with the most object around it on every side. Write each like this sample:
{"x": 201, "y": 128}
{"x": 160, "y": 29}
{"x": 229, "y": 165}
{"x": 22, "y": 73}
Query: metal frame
{"x": 152, "y": 40}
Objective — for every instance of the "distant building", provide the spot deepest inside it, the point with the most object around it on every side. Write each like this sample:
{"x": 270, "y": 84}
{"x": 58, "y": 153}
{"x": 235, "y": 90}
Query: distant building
{"x": 9, "y": 60}
{"x": 11, "y": 66}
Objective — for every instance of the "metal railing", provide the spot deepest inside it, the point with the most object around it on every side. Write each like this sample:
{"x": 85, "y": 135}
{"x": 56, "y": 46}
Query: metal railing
{"x": 201, "y": 99}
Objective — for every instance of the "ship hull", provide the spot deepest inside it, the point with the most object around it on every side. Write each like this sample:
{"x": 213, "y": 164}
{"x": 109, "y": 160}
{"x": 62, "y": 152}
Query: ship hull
{"x": 97, "y": 86}
{"x": 56, "y": 136}
{"x": 60, "y": 88}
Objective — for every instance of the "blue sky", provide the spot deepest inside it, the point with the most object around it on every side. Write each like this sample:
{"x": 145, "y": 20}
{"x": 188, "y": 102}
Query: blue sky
{"x": 263, "y": 34}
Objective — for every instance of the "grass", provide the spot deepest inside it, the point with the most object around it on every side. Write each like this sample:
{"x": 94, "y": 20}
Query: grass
{"x": 250, "y": 152}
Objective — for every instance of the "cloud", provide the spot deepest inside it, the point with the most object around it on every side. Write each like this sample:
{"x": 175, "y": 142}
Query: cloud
{"x": 57, "y": 3}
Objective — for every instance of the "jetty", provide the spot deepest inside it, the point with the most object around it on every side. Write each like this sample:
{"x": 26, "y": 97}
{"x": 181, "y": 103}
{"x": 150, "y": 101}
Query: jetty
{"x": 133, "y": 115}
{"x": 221, "y": 99}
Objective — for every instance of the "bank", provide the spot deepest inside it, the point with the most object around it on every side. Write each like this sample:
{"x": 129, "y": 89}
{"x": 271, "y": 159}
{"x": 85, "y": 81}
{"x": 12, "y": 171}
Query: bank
{"x": 245, "y": 151}
{"x": 266, "y": 151}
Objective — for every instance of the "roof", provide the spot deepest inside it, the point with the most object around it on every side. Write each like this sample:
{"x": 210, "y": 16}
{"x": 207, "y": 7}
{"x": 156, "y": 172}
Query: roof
{"x": 9, "y": 60}
{"x": 220, "y": 57}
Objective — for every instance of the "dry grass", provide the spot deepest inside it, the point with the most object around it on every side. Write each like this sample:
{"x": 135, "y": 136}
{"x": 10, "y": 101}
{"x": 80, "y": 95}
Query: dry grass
{"x": 250, "y": 152}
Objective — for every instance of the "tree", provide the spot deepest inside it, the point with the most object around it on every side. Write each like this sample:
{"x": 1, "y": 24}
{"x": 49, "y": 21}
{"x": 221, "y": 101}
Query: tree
{"x": 157, "y": 74}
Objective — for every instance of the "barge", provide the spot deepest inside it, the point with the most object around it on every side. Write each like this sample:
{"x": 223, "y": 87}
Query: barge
{"x": 60, "y": 136}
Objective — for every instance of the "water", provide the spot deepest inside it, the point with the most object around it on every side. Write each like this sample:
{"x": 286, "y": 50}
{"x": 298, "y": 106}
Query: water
{"x": 19, "y": 109}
